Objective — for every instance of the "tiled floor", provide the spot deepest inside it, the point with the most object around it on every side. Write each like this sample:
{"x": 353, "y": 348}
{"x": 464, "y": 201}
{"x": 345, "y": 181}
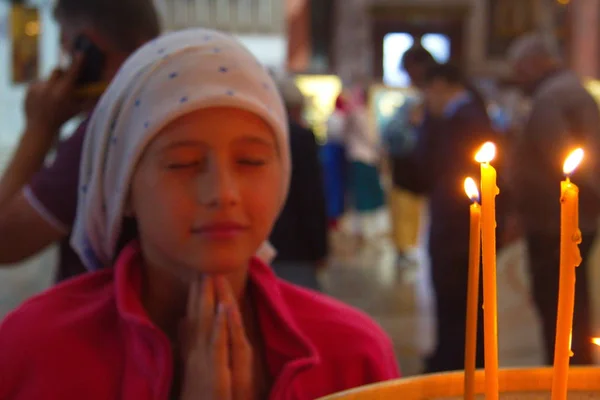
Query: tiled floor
{"x": 398, "y": 299}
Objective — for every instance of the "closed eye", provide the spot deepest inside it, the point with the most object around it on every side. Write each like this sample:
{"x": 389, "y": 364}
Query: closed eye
{"x": 193, "y": 164}
{"x": 251, "y": 162}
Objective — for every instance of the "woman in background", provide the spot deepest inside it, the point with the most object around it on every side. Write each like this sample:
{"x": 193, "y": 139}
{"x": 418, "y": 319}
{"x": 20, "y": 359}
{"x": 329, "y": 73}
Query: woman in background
{"x": 363, "y": 154}
{"x": 334, "y": 162}
{"x": 399, "y": 137}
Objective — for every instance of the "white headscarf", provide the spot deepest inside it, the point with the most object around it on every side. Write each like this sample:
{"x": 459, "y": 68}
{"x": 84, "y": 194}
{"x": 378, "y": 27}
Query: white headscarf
{"x": 167, "y": 78}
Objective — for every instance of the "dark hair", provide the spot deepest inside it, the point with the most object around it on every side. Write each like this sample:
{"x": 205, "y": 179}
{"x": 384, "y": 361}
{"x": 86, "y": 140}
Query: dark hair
{"x": 417, "y": 54}
{"x": 449, "y": 73}
{"x": 453, "y": 75}
{"x": 126, "y": 24}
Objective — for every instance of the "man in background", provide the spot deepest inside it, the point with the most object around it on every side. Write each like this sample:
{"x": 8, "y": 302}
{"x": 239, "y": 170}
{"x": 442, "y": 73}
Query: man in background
{"x": 300, "y": 233}
{"x": 37, "y": 201}
{"x": 442, "y": 158}
{"x": 399, "y": 138}
{"x": 563, "y": 116}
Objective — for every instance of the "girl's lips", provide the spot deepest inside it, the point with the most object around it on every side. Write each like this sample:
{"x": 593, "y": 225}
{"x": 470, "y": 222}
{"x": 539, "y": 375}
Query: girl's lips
{"x": 221, "y": 230}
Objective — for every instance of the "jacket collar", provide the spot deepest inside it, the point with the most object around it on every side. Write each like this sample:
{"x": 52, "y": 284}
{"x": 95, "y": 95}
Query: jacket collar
{"x": 283, "y": 338}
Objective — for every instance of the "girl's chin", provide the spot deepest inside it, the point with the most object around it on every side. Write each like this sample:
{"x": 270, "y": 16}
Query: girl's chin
{"x": 221, "y": 265}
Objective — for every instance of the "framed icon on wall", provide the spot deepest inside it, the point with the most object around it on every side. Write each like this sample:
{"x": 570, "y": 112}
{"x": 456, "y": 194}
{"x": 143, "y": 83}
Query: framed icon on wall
{"x": 506, "y": 21}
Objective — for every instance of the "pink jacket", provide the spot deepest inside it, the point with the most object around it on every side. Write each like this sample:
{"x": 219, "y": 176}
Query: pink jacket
{"x": 90, "y": 338}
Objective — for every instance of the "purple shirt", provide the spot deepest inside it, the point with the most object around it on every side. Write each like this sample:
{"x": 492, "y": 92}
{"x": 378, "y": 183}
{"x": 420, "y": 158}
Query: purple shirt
{"x": 53, "y": 194}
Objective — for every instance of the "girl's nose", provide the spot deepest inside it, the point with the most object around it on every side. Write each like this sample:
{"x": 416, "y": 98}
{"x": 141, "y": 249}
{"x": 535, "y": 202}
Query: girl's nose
{"x": 218, "y": 184}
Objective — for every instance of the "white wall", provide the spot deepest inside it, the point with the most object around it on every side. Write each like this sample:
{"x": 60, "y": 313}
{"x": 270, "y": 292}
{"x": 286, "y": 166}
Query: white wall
{"x": 271, "y": 50}
{"x": 11, "y": 96}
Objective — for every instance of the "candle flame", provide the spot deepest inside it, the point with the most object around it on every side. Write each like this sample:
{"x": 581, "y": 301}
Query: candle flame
{"x": 596, "y": 341}
{"x": 486, "y": 153}
{"x": 471, "y": 189}
{"x": 573, "y": 161}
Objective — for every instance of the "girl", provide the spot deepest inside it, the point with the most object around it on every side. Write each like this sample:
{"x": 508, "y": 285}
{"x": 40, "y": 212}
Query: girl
{"x": 184, "y": 170}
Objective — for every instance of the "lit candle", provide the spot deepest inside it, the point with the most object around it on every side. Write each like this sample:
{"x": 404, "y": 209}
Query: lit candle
{"x": 570, "y": 258}
{"x": 489, "y": 191}
{"x": 473, "y": 287}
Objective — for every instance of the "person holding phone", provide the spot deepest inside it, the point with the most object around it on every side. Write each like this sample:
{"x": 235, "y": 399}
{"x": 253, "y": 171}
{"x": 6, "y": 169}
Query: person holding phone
{"x": 37, "y": 201}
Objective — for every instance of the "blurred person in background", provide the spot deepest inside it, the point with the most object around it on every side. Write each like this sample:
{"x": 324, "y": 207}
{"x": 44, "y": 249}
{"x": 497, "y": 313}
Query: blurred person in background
{"x": 300, "y": 233}
{"x": 400, "y": 137}
{"x": 334, "y": 162}
{"x": 416, "y": 61}
{"x": 38, "y": 201}
{"x": 364, "y": 158}
{"x": 442, "y": 158}
{"x": 563, "y": 116}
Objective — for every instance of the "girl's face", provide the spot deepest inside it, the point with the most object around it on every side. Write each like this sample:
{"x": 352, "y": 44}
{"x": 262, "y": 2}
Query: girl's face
{"x": 207, "y": 191}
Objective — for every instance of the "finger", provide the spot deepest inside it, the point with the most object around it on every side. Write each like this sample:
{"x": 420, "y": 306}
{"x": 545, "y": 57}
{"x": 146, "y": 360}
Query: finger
{"x": 241, "y": 354}
{"x": 72, "y": 73}
{"x": 224, "y": 291}
{"x": 206, "y": 316}
{"x": 237, "y": 333}
{"x": 192, "y": 301}
{"x": 189, "y": 326}
{"x": 55, "y": 75}
{"x": 220, "y": 343}
{"x": 240, "y": 357}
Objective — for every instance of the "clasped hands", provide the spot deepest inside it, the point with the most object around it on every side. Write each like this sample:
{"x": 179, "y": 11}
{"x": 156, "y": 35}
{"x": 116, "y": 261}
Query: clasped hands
{"x": 217, "y": 354}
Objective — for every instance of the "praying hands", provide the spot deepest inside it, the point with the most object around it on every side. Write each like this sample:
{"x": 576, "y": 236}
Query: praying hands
{"x": 216, "y": 351}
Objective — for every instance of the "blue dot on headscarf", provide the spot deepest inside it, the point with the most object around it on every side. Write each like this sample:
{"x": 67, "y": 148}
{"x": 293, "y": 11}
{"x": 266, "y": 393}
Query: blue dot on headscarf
{"x": 207, "y": 37}
{"x": 223, "y": 69}
{"x": 113, "y": 124}
{"x": 230, "y": 93}
{"x": 113, "y": 139}
{"x": 184, "y": 99}
{"x": 137, "y": 103}
{"x": 173, "y": 75}
{"x": 146, "y": 124}
{"x": 161, "y": 50}
{"x": 216, "y": 50}
{"x": 84, "y": 189}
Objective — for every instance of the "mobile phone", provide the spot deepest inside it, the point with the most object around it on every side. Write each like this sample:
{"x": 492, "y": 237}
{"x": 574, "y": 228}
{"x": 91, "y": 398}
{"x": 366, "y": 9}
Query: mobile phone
{"x": 94, "y": 61}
